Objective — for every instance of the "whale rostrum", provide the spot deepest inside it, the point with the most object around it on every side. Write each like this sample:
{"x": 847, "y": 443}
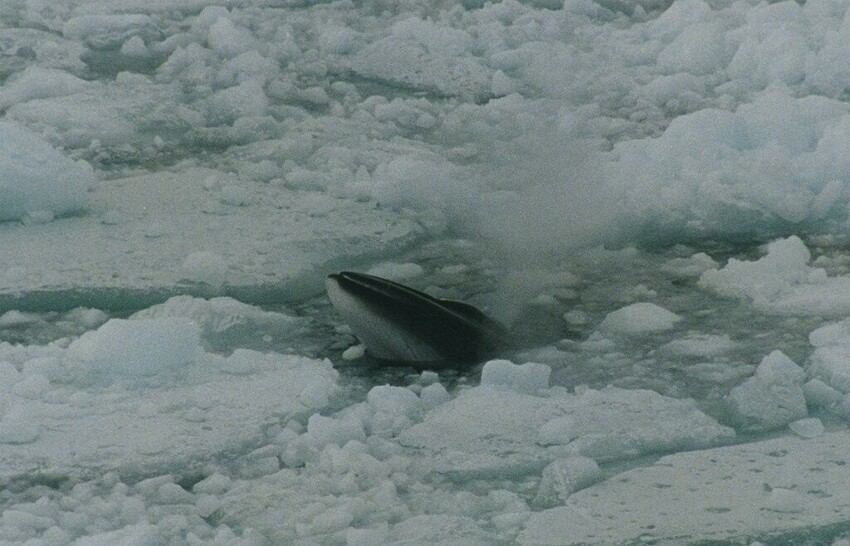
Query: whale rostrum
{"x": 400, "y": 324}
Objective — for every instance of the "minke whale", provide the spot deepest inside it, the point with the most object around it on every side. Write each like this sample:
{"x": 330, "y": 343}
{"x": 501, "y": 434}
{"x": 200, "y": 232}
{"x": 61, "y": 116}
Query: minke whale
{"x": 399, "y": 324}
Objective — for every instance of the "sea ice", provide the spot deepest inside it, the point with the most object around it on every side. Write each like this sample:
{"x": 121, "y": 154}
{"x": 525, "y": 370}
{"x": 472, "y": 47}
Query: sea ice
{"x": 639, "y": 319}
{"x": 206, "y": 267}
{"x": 730, "y": 493}
{"x": 246, "y": 148}
{"x": 487, "y": 432}
{"x": 108, "y": 31}
{"x": 122, "y": 349}
{"x": 145, "y": 391}
{"x": 699, "y": 346}
{"x": 38, "y": 83}
{"x": 165, "y": 220}
{"x": 563, "y": 477}
{"x": 782, "y": 282}
{"x": 772, "y": 398}
{"x": 35, "y": 177}
{"x": 807, "y": 428}
{"x": 528, "y": 378}
{"x": 442, "y": 62}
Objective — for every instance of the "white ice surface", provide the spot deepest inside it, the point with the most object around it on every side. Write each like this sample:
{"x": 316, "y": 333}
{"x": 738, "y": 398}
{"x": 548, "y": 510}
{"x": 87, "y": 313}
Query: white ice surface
{"x": 245, "y": 148}
{"x": 639, "y": 319}
{"x": 782, "y": 282}
{"x": 35, "y": 178}
{"x": 772, "y": 398}
{"x": 494, "y": 431}
{"x": 161, "y": 234}
{"x": 141, "y": 396}
{"x": 727, "y": 493}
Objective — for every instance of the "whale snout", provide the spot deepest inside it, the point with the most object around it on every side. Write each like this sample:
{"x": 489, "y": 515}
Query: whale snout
{"x": 400, "y": 324}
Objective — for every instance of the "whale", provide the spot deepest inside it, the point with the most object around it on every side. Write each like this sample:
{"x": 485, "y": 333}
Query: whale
{"x": 404, "y": 326}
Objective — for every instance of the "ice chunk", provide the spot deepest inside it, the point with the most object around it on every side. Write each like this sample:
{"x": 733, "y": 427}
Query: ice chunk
{"x": 366, "y": 537}
{"x": 699, "y": 346}
{"x": 576, "y": 317}
{"x": 354, "y": 352}
{"x": 33, "y": 385}
{"x": 214, "y": 484}
{"x": 807, "y": 428}
{"x": 767, "y": 54}
{"x": 240, "y": 101}
{"x": 207, "y": 267}
{"x": 778, "y": 368}
{"x": 558, "y": 431}
{"x": 563, "y": 477}
{"x": 36, "y": 177}
{"x": 109, "y": 31}
{"x": 782, "y": 282}
{"x": 639, "y": 319}
{"x": 18, "y": 425}
{"x": 13, "y": 319}
{"x": 439, "y": 529}
{"x": 235, "y": 195}
{"x": 38, "y": 83}
{"x": 220, "y": 317}
{"x": 785, "y": 264}
{"x": 396, "y": 400}
{"x": 393, "y": 409}
{"x": 819, "y": 394}
{"x": 145, "y": 348}
{"x": 486, "y": 432}
{"x": 760, "y": 406}
{"x": 137, "y": 533}
{"x": 828, "y": 71}
{"x": 425, "y": 56}
{"x": 135, "y": 47}
{"x": 230, "y": 39}
{"x": 831, "y": 364}
{"x": 699, "y": 49}
{"x": 9, "y": 374}
{"x": 322, "y": 431}
{"x": 433, "y": 395}
{"x": 694, "y": 266}
{"x": 772, "y": 398}
{"x": 836, "y": 333}
{"x": 528, "y": 378}
{"x": 25, "y": 520}
{"x": 757, "y": 181}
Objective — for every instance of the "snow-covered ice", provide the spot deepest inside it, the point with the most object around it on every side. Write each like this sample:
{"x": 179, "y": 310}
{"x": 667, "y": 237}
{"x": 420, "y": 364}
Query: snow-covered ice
{"x": 168, "y": 233}
{"x": 728, "y": 494}
{"x": 654, "y": 195}
{"x": 638, "y": 319}
{"x": 783, "y": 282}
{"x": 772, "y": 398}
{"x": 36, "y": 179}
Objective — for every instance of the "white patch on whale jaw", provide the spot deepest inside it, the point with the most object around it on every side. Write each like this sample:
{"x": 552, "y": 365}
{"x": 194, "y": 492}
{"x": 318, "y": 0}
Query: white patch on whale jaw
{"x": 383, "y": 338}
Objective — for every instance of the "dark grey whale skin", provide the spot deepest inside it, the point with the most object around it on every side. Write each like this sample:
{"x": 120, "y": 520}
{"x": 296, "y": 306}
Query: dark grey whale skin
{"x": 457, "y": 333}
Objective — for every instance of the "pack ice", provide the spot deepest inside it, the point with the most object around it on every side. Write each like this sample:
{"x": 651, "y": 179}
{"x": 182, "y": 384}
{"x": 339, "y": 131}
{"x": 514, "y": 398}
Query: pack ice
{"x": 656, "y": 191}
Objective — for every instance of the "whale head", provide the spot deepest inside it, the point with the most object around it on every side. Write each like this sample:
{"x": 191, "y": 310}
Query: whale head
{"x": 397, "y": 323}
